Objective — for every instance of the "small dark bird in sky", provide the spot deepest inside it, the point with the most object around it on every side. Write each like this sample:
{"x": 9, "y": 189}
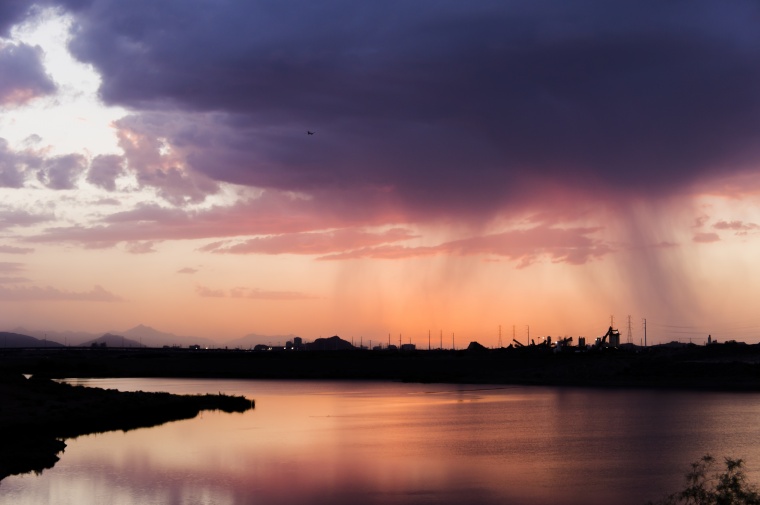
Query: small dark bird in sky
{"x": 309, "y": 132}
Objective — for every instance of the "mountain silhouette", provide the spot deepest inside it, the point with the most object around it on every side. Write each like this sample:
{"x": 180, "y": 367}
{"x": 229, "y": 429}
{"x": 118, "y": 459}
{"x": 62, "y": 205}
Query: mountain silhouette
{"x": 8, "y": 339}
{"x": 151, "y": 337}
{"x": 111, "y": 340}
{"x": 252, "y": 339}
{"x": 334, "y": 343}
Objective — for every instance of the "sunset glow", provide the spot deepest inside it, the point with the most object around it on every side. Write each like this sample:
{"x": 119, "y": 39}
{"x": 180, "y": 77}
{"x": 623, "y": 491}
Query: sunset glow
{"x": 474, "y": 166}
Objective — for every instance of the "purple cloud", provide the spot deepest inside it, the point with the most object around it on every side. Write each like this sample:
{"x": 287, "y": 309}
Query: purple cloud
{"x": 10, "y": 218}
{"x": 14, "y": 166}
{"x": 454, "y": 108}
{"x": 12, "y": 12}
{"x": 22, "y": 76}
{"x": 141, "y": 139}
{"x": 104, "y": 170}
{"x": 62, "y": 172}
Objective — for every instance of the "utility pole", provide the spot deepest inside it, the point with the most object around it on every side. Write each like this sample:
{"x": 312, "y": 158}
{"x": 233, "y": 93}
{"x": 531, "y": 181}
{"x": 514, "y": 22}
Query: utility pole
{"x": 528, "y": 334}
{"x": 500, "y": 345}
{"x": 453, "y": 347}
{"x": 441, "y": 346}
{"x": 645, "y": 331}
{"x": 630, "y": 331}
{"x": 428, "y": 340}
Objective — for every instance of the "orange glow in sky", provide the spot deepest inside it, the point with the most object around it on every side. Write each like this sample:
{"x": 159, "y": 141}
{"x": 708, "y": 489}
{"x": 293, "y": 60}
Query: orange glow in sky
{"x": 198, "y": 205}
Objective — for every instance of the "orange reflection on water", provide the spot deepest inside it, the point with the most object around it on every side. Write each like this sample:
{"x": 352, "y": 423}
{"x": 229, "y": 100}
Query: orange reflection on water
{"x": 325, "y": 442}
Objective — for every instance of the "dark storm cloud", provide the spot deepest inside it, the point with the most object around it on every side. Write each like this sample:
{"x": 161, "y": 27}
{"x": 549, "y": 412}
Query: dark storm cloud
{"x": 451, "y": 105}
{"x": 11, "y": 12}
{"x": 22, "y": 76}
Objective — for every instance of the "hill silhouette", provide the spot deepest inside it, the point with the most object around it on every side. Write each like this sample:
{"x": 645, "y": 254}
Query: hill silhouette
{"x": 334, "y": 343}
{"x": 152, "y": 337}
{"x": 9, "y": 339}
{"x": 111, "y": 340}
{"x": 253, "y": 339}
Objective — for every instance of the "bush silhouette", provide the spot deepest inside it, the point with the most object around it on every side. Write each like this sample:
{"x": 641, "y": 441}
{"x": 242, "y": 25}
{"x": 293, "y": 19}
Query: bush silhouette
{"x": 707, "y": 486}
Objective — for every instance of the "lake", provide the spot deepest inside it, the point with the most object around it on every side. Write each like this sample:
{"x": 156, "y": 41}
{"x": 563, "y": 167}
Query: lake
{"x": 326, "y": 442}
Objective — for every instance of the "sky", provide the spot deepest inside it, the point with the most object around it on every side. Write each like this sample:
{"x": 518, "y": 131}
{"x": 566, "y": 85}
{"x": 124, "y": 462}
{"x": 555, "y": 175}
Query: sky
{"x": 532, "y": 167}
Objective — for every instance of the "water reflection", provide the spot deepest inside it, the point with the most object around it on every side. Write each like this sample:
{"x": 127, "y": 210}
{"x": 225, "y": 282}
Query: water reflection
{"x": 380, "y": 443}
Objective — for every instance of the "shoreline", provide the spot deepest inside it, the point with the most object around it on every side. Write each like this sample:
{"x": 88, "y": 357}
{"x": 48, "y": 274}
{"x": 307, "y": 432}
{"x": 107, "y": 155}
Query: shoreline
{"x": 722, "y": 367}
{"x": 38, "y": 414}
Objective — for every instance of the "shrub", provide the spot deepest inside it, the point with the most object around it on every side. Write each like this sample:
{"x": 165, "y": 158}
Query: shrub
{"x": 706, "y": 486}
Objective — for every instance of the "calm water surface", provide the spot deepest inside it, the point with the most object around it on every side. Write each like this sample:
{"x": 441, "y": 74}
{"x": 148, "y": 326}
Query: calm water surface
{"x": 388, "y": 443}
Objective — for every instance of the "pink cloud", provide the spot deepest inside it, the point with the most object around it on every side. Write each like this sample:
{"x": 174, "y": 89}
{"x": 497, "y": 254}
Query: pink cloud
{"x": 13, "y": 280}
{"x": 260, "y": 294}
{"x": 141, "y": 247}
{"x": 273, "y": 213}
{"x": 738, "y": 226}
{"x": 9, "y": 249}
{"x": 706, "y": 238}
{"x": 572, "y": 246}
{"x": 35, "y": 293}
{"x": 146, "y": 155}
{"x": 312, "y": 242}
{"x": 390, "y": 252}
{"x": 11, "y": 267}
{"x": 187, "y": 270}
{"x": 700, "y": 221}
{"x": 210, "y": 293}
{"x": 252, "y": 293}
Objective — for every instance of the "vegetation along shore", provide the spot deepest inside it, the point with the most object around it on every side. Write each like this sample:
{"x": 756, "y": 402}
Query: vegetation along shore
{"x": 38, "y": 414}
